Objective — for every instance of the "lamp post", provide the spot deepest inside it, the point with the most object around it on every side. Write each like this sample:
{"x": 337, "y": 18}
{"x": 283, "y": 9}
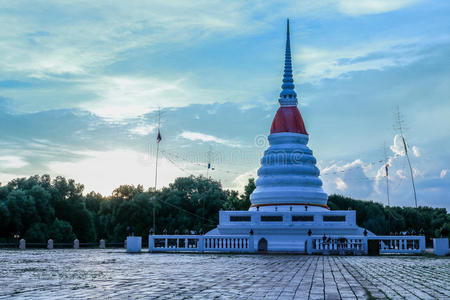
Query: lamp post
{"x": 17, "y": 237}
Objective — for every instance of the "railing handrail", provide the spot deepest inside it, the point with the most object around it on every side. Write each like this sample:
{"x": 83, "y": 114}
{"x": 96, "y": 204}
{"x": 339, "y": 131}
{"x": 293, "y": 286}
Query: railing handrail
{"x": 197, "y": 235}
{"x": 373, "y": 237}
{"x": 397, "y": 237}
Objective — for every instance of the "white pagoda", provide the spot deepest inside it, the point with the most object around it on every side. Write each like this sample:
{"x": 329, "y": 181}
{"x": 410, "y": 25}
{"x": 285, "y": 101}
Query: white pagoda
{"x": 288, "y": 204}
{"x": 289, "y": 211}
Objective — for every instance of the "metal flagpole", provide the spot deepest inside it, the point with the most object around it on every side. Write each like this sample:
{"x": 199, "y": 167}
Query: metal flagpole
{"x": 158, "y": 140}
{"x": 209, "y": 162}
{"x": 386, "y": 166}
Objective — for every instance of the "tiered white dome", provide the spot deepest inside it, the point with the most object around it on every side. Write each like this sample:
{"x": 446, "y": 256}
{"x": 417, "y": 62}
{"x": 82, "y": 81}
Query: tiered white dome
{"x": 288, "y": 177}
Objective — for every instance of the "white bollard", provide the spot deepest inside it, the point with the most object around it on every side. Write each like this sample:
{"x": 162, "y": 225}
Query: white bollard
{"x": 50, "y": 244}
{"x": 76, "y": 244}
{"x": 440, "y": 246}
{"x": 134, "y": 244}
{"x": 102, "y": 244}
{"x": 22, "y": 244}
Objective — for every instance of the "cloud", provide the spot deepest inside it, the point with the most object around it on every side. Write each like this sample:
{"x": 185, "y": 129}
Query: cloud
{"x": 401, "y": 174}
{"x": 319, "y": 63}
{"x": 197, "y": 136}
{"x": 416, "y": 151}
{"x": 443, "y": 173}
{"x": 127, "y": 97}
{"x": 357, "y": 163}
{"x": 417, "y": 173}
{"x": 366, "y": 7}
{"x": 103, "y": 171}
{"x": 398, "y": 148}
{"x": 349, "y": 177}
{"x": 118, "y": 98}
{"x": 241, "y": 181}
{"x": 57, "y": 38}
{"x": 340, "y": 184}
{"x": 7, "y": 177}
{"x": 143, "y": 129}
{"x": 12, "y": 162}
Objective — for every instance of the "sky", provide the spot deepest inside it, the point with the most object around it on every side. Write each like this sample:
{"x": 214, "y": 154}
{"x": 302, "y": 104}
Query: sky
{"x": 81, "y": 84}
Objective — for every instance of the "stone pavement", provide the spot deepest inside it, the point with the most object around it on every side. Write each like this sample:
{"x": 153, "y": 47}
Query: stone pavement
{"x": 97, "y": 273}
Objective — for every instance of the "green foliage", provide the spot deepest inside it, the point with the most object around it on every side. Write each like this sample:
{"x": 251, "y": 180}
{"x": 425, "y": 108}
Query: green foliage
{"x": 37, "y": 232}
{"x": 240, "y": 202}
{"x": 444, "y": 231}
{"x": 39, "y": 208}
{"x": 61, "y": 231}
{"x": 385, "y": 220}
{"x": 35, "y": 207}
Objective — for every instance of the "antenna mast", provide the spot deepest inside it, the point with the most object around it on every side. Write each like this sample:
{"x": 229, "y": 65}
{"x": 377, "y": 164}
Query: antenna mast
{"x": 400, "y": 128}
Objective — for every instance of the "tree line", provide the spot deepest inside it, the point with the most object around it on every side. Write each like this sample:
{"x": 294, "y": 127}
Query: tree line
{"x": 38, "y": 208}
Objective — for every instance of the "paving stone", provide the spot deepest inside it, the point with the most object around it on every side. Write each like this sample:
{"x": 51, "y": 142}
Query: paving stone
{"x": 113, "y": 274}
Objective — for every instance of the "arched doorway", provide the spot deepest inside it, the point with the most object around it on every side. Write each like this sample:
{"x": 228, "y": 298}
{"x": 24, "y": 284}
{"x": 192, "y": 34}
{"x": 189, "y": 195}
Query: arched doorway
{"x": 262, "y": 245}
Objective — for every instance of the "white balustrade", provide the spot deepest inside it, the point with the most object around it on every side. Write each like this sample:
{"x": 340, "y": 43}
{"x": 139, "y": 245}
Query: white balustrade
{"x": 336, "y": 244}
{"x": 342, "y": 245}
{"x": 403, "y": 244}
{"x": 359, "y": 244}
{"x": 200, "y": 243}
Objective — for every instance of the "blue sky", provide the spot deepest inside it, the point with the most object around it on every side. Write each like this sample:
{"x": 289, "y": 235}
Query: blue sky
{"x": 80, "y": 83}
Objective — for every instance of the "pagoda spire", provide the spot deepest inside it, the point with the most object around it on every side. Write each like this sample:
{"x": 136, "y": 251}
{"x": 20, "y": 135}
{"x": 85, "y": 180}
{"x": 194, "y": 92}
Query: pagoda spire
{"x": 288, "y": 97}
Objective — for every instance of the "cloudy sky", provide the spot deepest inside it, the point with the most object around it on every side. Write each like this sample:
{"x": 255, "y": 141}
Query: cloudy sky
{"x": 81, "y": 83}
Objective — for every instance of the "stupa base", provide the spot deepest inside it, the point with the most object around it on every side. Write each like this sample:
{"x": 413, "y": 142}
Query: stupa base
{"x": 287, "y": 231}
{"x": 307, "y": 232}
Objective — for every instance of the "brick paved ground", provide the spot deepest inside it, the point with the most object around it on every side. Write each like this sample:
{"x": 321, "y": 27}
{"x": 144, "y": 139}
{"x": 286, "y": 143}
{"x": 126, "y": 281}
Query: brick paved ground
{"x": 115, "y": 274}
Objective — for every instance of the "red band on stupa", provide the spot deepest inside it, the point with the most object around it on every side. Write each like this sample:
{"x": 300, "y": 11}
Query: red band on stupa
{"x": 288, "y": 119}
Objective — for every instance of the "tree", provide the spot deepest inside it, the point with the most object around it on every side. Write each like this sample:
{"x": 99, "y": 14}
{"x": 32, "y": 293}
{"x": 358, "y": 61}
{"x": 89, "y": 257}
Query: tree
{"x": 136, "y": 213}
{"x": 40, "y": 208}
{"x": 4, "y": 218}
{"x": 61, "y": 231}
{"x": 242, "y": 202}
{"x": 38, "y": 232}
{"x": 42, "y": 200}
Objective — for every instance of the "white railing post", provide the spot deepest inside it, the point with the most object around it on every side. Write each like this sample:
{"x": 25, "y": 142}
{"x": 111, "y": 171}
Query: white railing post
{"x": 50, "y": 244}
{"x": 309, "y": 245}
{"x": 365, "y": 245}
{"x": 22, "y": 244}
{"x": 440, "y": 246}
{"x": 102, "y": 244}
{"x": 422, "y": 245}
{"x": 134, "y": 244}
{"x": 200, "y": 244}
{"x": 76, "y": 244}
{"x": 151, "y": 243}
